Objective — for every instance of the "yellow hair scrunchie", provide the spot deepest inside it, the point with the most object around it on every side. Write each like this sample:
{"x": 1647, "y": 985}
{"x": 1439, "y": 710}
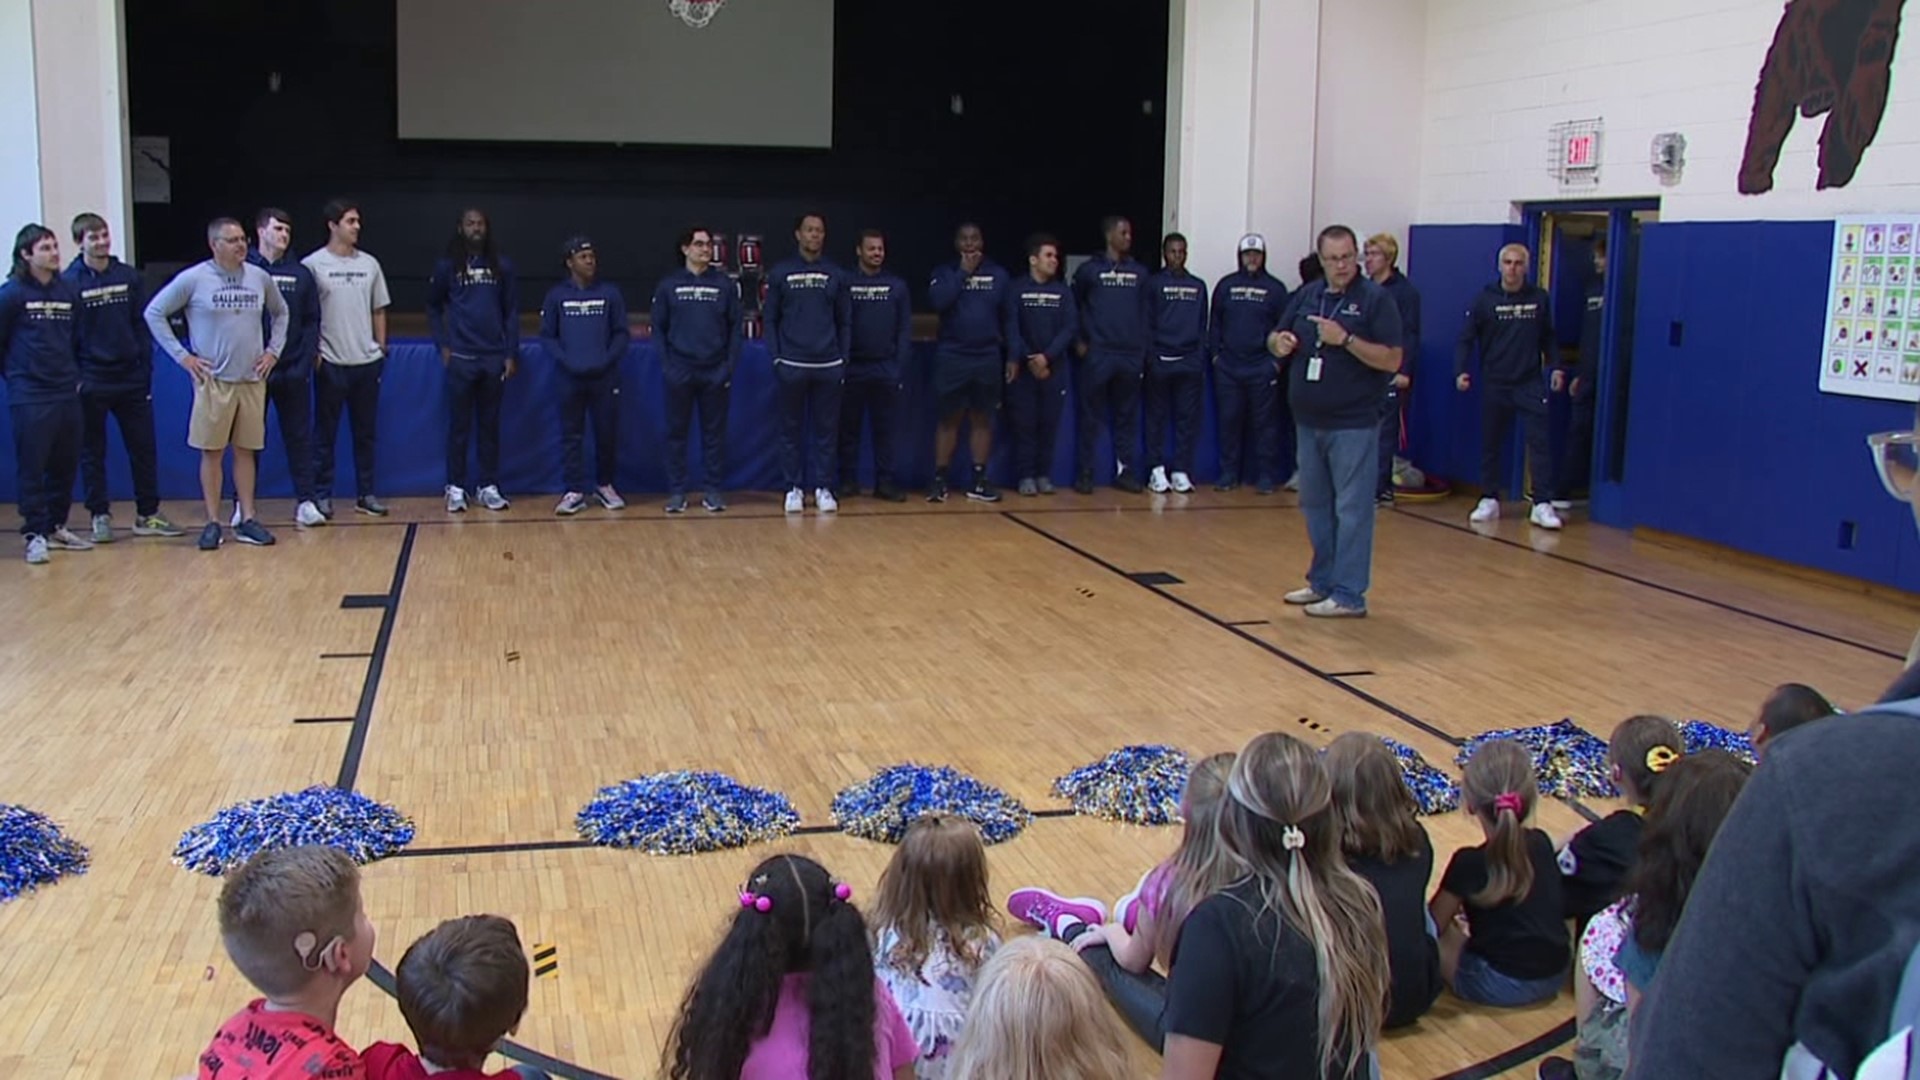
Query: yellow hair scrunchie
{"x": 1660, "y": 757}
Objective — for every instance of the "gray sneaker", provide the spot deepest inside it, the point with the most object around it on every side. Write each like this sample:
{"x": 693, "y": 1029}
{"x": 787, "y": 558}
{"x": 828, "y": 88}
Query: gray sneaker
{"x": 68, "y": 540}
{"x": 491, "y": 498}
{"x": 252, "y": 532}
{"x": 1043, "y": 485}
{"x": 325, "y": 506}
{"x": 103, "y": 528}
{"x": 156, "y": 525}
{"x": 715, "y": 502}
{"x": 1029, "y": 486}
{"x": 37, "y": 550}
{"x": 210, "y": 537}
{"x": 676, "y": 503}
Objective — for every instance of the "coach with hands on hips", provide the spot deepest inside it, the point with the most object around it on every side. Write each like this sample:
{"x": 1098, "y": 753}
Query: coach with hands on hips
{"x": 1340, "y": 340}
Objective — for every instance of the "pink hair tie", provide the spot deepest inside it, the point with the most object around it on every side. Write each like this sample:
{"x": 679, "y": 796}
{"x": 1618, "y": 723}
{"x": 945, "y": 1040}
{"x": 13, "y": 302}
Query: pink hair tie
{"x": 746, "y": 899}
{"x": 1509, "y": 800}
{"x": 756, "y": 902}
{"x": 843, "y": 892}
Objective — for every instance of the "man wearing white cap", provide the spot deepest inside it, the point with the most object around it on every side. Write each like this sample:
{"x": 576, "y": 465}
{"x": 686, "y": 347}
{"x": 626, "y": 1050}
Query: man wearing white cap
{"x": 1246, "y": 382}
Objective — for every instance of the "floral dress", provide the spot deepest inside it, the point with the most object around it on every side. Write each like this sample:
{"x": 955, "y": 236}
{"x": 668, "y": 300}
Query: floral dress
{"x": 934, "y": 1000}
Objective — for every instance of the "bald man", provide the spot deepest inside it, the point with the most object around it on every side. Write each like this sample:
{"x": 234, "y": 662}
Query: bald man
{"x": 1510, "y": 324}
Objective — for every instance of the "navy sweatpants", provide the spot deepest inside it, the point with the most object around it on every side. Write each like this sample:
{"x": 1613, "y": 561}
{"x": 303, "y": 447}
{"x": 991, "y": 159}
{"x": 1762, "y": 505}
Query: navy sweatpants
{"x": 1499, "y": 404}
{"x": 1109, "y": 382}
{"x": 1253, "y": 406}
{"x": 869, "y": 397}
{"x": 1034, "y": 406}
{"x": 809, "y": 422}
{"x": 354, "y": 389}
{"x": 132, "y": 408}
{"x": 597, "y": 395}
{"x": 46, "y": 447}
{"x": 474, "y": 390}
{"x": 1174, "y": 390}
{"x": 292, "y": 398}
{"x": 711, "y": 389}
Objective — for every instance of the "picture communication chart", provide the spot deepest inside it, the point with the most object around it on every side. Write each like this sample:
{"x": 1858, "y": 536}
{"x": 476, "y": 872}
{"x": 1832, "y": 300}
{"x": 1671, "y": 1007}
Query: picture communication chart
{"x": 1871, "y": 335}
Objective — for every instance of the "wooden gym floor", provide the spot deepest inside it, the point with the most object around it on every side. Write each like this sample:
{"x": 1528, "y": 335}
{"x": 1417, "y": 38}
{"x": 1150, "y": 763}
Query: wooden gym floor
{"x": 504, "y": 667}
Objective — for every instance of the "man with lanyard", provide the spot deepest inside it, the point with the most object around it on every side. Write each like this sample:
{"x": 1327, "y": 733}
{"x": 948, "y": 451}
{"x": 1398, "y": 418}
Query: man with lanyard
{"x": 1176, "y": 371}
{"x": 473, "y": 314}
{"x": 1574, "y": 469}
{"x": 881, "y": 314}
{"x": 116, "y": 377}
{"x": 974, "y": 299}
{"x": 1382, "y": 253}
{"x": 1340, "y": 337}
{"x": 39, "y": 352}
{"x": 1111, "y": 295}
{"x": 1511, "y": 324}
{"x": 224, "y": 299}
{"x": 1247, "y": 306}
{"x": 290, "y": 383}
{"x": 353, "y": 351}
{"x": 696, "y": 327}
{"x": 808, "y": 329}
{"x": 583, "y": 329}
{"x": 1046, "y": 326}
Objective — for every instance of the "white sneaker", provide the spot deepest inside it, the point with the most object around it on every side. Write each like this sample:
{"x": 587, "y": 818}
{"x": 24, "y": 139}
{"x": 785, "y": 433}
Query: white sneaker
{"x": 796, "y": 502}
{"x": 1303, "y": 597}
{"x": 456, "y": 499}
{"x": 491, "y": 498}
{"x": 824, "y": 500}
{"x": 570, "y": 504}
{"x": 1293, "y": 482}
{"x": 1157, "y": 480}
{"x": 1562, "y": 504}
{"x": 609, "y": 498}
{"x": 37, "y": 550}
{"x": 1182, "y": 482}
{"x": 1334, "y": 609}
{"x": 1544, "y": 516}
{"x": 68, "y": 540}
{"x": 235, "y": 523}
{"x": 307, "y": 515}
{"x": 1484, "y": 511}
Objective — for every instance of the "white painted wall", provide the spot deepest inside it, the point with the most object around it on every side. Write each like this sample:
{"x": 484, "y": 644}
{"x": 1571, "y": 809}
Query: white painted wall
{"x": 1285, "y": 95}
{"x": 19, "y": 120}
{"x": 79, "y": 67}
{"x": 1500, "y": 73}
{"x": 1210, "y": 118}
{"x": 1367, "y": 133}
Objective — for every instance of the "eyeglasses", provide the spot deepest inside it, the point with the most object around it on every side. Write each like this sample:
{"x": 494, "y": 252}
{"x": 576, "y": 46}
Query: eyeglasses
{"x": 1896, "y": 457}
{"x": 1338, "y": 259}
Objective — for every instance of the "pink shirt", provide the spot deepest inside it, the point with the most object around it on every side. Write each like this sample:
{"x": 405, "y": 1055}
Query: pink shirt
{"x": 782, "y": 1054}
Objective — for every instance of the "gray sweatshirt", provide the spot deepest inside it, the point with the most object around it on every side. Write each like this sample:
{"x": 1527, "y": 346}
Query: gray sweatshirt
{"x": 223, "y": 317}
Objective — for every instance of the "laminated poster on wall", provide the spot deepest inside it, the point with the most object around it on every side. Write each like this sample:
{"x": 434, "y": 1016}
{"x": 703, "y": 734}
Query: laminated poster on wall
{"x": 1870, "y": 343}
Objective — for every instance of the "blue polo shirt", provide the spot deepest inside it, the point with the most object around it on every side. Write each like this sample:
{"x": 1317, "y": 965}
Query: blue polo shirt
{"x": 1347, "y": 394}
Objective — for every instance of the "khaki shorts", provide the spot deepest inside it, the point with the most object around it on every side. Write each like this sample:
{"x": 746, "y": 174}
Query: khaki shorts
{"x": 228, "y": 414}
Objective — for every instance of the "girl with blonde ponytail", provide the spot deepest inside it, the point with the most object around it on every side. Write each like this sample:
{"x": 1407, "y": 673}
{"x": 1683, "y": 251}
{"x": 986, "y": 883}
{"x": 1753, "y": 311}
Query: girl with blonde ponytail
{"x": 1284, "y": 972}
{"x": 1514, "y": 948}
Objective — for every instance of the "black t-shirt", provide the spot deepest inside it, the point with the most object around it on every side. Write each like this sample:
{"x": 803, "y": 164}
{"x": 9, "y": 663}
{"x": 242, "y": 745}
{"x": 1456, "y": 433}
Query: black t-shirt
{"x": 1522, "y": 939}
{"x": 1340, "y": 392}
{"x": 1412, "y": 952}
{"x": 1249, "y": 985}
{"x": 1596, "y": 863}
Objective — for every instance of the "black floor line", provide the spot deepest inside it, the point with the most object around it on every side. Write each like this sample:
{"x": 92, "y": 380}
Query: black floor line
{"x": 1668, "y": 589}
{"x": 1251, "y": 622}
{"x": 376, "y": 666}
{"x": 1239, "y": 632}
{"x": 323, "y": 719}
{"x": 493, "y": 849}
{"x": 645, "y": 516}
{"x": 1340, "y": 674}
{"x": 378, "y": 974}
{"x": 1519, "y": 1055}
{"x": 346, "y": 656}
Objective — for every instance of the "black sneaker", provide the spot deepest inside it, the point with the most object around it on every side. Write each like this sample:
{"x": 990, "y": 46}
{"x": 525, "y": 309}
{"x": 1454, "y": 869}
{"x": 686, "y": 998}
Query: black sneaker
{"x": 983, "y": 491}
{"x": 676, "y": 503}
{"x": 1227, "y": 482}
{"x": 1264, "y": 487}
{"x": 1084, "y": 482}
{"x": 714, "y": 501}
{"x": 886, "y": 492}
{"x": 325, "y": 506}
{"x": 1129, "y": 483}
{"x": 371, "y": 506}
{"x": 210, "y": 537}
{"x": 1384, "y": 498}
{"x": 252, "y": 532}
{"x": 937, "y": 491}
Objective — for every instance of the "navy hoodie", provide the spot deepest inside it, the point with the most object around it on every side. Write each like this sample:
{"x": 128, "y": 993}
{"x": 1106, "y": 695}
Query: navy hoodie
{"x": 696, "y": 319}
{"x": 474, "y": 311}
{"x": 302, "y": 295}
{"x": 807, "y": 312}
{"x": 1246, "y": 308}
{"x": 116, "y": 348}
{"x": 1177, "y": 317}
{"x": 1514, "y": 331}
{"x": 1048, "y": 320}
{"x": 1407, "y": 299}
{"x": 1590, "y": 323}
{"x": 976, "y": 310}
{"x": 39, "y": 340}
{"x": 882, "y": 317}
{"x": 1112, "y": 300}
{"x": 584, "y": 330}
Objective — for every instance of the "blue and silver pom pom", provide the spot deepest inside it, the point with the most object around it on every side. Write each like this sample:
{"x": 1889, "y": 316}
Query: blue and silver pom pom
{"x": 1141, "y": 785}
{"x": 1433, "y": 791}
{"x": 34, "y": 852}
{"x": 682, "y": 812}
{"x": 1568, "y": 760}
{"x": 1699, "y": 735}
{"x": 882, "y": 806}
{"x": 323, "y": 814}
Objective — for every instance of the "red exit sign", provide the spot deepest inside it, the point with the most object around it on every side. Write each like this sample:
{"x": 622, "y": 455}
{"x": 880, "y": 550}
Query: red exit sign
{"x": 1580, "y": 151}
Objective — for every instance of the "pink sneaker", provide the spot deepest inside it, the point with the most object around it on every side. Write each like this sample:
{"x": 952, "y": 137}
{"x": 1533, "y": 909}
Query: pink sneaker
{"x": 1127, "y": 909}
{"x": 1053, "y": 913}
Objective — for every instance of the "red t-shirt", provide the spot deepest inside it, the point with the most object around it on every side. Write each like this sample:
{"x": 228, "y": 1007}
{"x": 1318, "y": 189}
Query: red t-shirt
{"x": 261, "y": 1044}
{"x": 391, "y": 1061}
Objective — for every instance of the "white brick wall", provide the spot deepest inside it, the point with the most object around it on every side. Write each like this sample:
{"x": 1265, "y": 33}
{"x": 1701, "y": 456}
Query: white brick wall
{"x": 1367, "y": 124}
{"x": 1500, "y": 73}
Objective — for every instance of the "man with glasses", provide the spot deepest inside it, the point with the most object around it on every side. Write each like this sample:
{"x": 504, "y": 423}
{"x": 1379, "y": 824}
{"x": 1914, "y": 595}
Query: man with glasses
{"x": 223, "y": 298}
{"x": 696, "y": 325}
{"x": 1340, "y": 339}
